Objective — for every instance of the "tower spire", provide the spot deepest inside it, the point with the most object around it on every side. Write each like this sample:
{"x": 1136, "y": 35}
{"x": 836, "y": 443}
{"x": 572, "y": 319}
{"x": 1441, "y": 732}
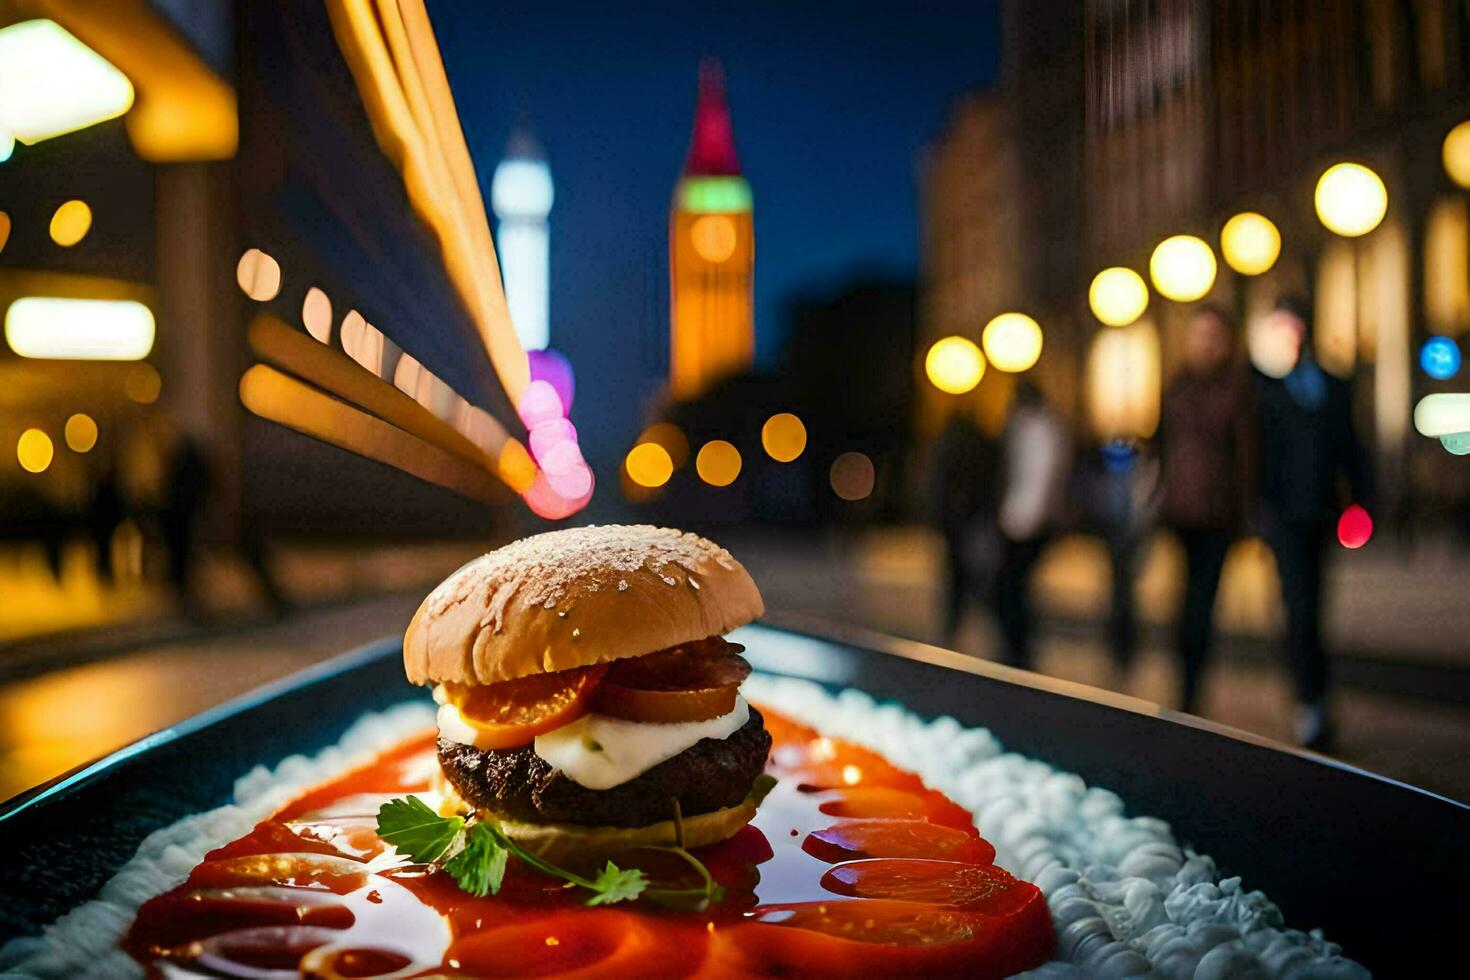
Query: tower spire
{"x": 712, "y": 144}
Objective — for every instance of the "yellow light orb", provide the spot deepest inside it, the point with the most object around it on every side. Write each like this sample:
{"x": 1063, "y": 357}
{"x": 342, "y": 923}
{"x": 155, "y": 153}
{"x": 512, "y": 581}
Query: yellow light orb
{"x": 1351, "y": 199}
{"x": 1250, "y": 243}
{"x": 81, "y": 433}
{"x": 784, "y": 437}
{"x": 34, "y": 450}
{"x": 142, "y": 384}
{"x": 713, "y": 237}
{"x": 258, "y": 274}
{"x": 1118, "y": 296}
{"x": 4, "y": 230}
{"x": 1012, "y": 342}
{"x": 954, "y": 365}
{"x": 852, "y": 476}
{"x": 718, "y": 463}
{"x": 1182, "y": 268}
{"x": 70, "y": 223}
{"x": 649, "y": 465}
{"x": 1456, "y": 152}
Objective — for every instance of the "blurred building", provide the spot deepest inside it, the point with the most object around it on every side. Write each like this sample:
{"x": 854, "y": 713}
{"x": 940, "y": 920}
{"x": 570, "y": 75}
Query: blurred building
{"x": 521, "y": 193}
{"x": 1187, "y": 113}
{"x": 223, "y": 230}
{"x": 711, "y": 252}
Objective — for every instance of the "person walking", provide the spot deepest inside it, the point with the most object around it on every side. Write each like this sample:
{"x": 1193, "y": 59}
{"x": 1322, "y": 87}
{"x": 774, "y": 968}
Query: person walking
{"x": 1307, "y": 442}
{"x": 1206, "y": 445}
{"x": 1034, "y": 462}
{"x": 963, "y": 472}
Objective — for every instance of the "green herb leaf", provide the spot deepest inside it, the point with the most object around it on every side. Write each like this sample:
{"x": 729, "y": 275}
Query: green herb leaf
{"x": 480, "y": 867}
{"x": 616, "y": 885}
{"x": 763, "y": 784}
{"x": 410, "y": 826}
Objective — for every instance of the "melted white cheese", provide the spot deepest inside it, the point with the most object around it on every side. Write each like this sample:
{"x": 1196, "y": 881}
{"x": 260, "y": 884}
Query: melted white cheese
{"x": 600, "y": 752}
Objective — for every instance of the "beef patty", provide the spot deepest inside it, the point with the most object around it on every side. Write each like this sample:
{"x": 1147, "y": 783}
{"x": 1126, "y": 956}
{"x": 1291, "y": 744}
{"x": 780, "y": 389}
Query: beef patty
{"x": 519, "y": 784}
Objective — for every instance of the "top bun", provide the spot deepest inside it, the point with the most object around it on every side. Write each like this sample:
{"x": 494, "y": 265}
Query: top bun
{"x": 572, "y": 598}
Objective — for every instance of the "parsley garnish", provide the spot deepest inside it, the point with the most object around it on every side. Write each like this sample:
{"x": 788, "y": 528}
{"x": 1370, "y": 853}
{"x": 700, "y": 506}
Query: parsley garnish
{"x": 410, "y": 826}
{"x": 479, "y": 850}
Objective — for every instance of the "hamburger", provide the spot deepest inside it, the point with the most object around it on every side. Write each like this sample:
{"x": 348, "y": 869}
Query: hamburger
{"x": 587, "y": 697}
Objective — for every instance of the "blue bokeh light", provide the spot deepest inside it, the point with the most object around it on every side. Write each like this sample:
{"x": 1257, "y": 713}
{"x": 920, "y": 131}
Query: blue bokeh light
{"x": 1440, "y": 358}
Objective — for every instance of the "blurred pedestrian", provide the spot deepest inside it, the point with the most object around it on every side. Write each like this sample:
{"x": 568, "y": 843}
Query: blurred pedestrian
{"x": 1117, "y": 487}
{"x": 1206, "y": 445}
{"x": 963, "y": 476}
{"x": 1034, "y": 463}
{"x": 1307, "y": 442}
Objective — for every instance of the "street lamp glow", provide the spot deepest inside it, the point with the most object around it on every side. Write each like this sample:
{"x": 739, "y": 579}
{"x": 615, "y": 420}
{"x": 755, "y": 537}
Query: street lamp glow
{"x": 1012, "y": 342}
{"x": 51, "y": 83}
{"x": 1250, "y": 243}
{"x": 718, "y": 463}
{"x": 521, "y": 194}
{"x": 954, "y": 365}
{"x": 1118, "y": 296}
{"x": 1351, "y": 199}
{"x": 1456, "y": 153}
{"x": 81, "y": 433}
{"x": 79, "y": 329}
{"x": 34, "y": 451}
{"x": 648, "y": 465}
{"x": 1182, "y": 268}
{"x": 70, "y": 223}
{"x": 784, "y": 437}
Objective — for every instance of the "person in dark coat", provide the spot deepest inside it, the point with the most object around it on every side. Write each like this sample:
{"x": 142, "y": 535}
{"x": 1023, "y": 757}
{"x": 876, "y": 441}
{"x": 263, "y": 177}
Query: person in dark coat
{"x": 1307, "y": 445}
{"x": 1207, "y": 447}
{"x": 964, "y": 473}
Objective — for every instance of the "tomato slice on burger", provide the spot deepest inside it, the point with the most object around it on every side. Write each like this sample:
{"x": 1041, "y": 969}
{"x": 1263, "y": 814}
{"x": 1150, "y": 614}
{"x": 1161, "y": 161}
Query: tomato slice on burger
{"x": 512, "y": 713}
{"x": 692, "y": 683}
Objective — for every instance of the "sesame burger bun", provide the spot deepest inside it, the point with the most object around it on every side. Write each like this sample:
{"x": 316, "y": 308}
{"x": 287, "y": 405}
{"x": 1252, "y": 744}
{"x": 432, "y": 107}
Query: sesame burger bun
{"x": 573, "y": 598}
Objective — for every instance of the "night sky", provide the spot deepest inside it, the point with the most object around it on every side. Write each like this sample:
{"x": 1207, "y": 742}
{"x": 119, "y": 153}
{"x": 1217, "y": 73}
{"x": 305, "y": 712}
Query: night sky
{"x": 831, "y": 104}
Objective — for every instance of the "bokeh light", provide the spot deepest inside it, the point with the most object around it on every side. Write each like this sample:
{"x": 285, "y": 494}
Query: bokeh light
{"x": 66, "y": 328}
{"x": 258, "y": 274}
{"x": 552, "y": 367}
{"x": 1456, "y": 443}
{"x": 4, "y": 229}
{"x": 784, "y": 437}
{"x": 1118, "y": 296}
{"x": 1351, "y": 199}
{"x": 852, "y": 476}
{"x": 1354, "y": 527}
{"x": 70, "y": 223}
{"x": 1012, "y": 342}
{"x": 713, "y": 237}
{"x": 362, "y": 341}
{"x": 718, "y": 463}
{"x": 1440, "y": 358}
{"x": 545, "y": 436}
{"x": 316, "y": 314}
{"x": 142, "y": 384}
{"x": 1250, "y": 243}
{"x": 34, "y": 450}
{"x": 1272, "y": 345}
{"x": 516, "y": 466}
{"x": 81, "y": 433}
{"x": 649, "y": 465}
{"x": 954, "y": 365}
{"x": 1456, "y": 153}
{"x": 1183, "y": 268}
{"x": 539, "y": 403}
{"x": 671, "y": 438}
{"x": 1443, "y": 413}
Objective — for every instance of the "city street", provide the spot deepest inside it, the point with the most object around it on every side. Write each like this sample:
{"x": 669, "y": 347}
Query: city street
{"x": 1402, "y": 709}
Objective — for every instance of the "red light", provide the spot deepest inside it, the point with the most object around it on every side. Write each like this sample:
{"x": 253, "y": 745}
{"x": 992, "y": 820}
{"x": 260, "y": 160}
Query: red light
{"x": 1354, "y": 527}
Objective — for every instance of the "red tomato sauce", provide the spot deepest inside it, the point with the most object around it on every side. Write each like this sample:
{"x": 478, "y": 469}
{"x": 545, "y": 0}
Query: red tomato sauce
{"x": 852, "y": 867}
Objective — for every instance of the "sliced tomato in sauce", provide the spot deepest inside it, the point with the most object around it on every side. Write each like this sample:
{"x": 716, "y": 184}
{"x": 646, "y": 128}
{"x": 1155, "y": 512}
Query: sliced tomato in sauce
{"x": 852, "y": 840}
{"x": 881, "y": 802}
{"x": 973, "y": 887}
{"x": 512, "y": 713}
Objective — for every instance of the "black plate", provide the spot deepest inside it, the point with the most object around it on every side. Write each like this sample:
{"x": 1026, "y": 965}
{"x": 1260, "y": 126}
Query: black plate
{"x": 1378, "y": 864}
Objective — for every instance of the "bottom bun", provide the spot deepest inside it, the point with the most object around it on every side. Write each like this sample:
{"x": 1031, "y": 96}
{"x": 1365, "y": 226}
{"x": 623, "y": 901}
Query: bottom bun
{"x": 571, "y": 842}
